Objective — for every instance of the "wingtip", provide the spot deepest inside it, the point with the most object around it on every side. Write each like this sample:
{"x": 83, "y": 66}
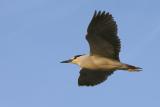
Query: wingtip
{"x": 101, "y": 13}
{"x": 95, "y": 13}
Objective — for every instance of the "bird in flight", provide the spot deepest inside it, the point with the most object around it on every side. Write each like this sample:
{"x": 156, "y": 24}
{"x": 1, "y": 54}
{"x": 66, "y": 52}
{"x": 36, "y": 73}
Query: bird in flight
{"x": 105, "y": 46}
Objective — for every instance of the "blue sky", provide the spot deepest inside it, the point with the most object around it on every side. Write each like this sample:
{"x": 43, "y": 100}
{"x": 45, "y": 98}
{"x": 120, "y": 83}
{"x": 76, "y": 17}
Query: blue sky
{"x": 35, "y": 35}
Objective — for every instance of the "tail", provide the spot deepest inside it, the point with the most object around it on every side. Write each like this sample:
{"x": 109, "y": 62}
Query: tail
{"x": 131, "y": 68}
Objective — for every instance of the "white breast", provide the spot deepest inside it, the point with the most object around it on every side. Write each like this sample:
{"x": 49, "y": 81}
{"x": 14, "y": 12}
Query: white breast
{"x": 96, "y": 62}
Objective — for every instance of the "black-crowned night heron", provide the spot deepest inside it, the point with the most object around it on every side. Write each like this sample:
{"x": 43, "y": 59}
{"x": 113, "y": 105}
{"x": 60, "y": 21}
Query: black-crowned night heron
{"x": 103, "y": 59}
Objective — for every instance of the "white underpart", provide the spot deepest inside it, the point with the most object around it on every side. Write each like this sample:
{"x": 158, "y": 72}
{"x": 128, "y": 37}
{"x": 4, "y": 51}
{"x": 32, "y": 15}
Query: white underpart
{"x": 97, "y": 62}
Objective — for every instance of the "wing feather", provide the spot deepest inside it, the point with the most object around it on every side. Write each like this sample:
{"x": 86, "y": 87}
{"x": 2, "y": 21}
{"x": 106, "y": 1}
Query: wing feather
{"x": 102, "y": 36}
{"x": 92, "y": 77}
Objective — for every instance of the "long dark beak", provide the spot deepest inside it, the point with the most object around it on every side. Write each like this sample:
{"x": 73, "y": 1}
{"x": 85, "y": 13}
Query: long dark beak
{"x": 67, "y": 61}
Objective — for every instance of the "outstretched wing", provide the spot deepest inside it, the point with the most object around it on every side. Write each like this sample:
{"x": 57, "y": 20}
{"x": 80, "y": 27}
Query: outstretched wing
{"x": 102, "y": 36}
{"x": 92, "y": 77}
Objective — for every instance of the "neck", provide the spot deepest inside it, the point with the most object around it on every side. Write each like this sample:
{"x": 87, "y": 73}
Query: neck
{"x": 82, "y": 59}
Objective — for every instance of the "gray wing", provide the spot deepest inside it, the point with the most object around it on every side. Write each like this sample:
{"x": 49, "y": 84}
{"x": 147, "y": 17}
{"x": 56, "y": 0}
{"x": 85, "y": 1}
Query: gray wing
{"x": 92, "y": 77}
{"x": 102, "y": 36}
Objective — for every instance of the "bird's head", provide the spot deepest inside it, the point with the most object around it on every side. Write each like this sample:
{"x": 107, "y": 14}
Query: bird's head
{"x": 73, "y": 60}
